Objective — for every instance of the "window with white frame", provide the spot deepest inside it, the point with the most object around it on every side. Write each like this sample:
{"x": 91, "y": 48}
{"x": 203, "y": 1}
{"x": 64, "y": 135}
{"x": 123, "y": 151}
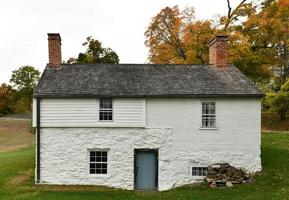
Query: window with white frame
{"x": 208, "y": 114}
{"x": 199, "y": 171}
{"x": 105, "y": 109}
{"x": 97, "y": 162}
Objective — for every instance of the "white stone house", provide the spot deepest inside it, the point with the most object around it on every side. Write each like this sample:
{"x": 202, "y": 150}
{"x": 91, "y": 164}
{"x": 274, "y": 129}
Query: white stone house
{"x": 143, "y": 126}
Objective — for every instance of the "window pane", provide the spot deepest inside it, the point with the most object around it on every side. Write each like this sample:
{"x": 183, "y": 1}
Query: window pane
{"x": 104, "y": 153}
{"x": 208, "y": 114}
{"x": 105, "y": 103}
{"x": 199, "y": 171}
{"x": 98, "y": 162}
{"x": 205, "y": 171}
{"x": 92, "y": 159}
{"x": 105, "y": 110}
{"x": 194, "y": 173}
{"x": 104, "y": 165}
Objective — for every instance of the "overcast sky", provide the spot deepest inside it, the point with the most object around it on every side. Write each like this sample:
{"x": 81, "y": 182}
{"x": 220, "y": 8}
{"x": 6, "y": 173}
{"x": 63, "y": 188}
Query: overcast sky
{"x": 118, "y": 24}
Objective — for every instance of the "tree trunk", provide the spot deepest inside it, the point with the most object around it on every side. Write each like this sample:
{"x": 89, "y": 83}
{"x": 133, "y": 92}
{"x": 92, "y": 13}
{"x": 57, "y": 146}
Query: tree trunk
{"x": 282, "y": 116}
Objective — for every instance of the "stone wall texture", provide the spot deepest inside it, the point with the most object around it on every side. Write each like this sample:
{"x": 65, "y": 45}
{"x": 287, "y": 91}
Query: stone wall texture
{"x": 172, "y": 127}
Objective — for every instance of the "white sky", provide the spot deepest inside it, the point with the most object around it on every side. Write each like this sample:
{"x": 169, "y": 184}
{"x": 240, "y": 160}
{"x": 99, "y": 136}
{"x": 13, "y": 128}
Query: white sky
{"x": 118, "y": 24}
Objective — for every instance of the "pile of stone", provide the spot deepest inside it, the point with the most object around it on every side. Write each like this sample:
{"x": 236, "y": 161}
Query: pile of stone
{"x": 225, "y": 175}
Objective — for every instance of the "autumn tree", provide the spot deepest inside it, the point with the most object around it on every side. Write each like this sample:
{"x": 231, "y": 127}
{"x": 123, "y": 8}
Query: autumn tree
{"x": 24, "y": 79}
{"x": 268, "y": 33}
{"x": 6, "y": 98}
{"x": 241, "y": 53}
{"x": 244, "y": 9}
{"x": 95, "y": 53}
{"x": 175, "y": 36}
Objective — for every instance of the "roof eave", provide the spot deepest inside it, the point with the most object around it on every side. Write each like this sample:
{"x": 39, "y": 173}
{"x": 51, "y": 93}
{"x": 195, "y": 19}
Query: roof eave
{"x": 149, "y": 96}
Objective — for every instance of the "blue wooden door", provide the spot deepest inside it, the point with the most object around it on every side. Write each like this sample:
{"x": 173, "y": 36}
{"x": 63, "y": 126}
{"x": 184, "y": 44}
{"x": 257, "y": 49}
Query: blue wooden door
{"x": 146, "y": 170}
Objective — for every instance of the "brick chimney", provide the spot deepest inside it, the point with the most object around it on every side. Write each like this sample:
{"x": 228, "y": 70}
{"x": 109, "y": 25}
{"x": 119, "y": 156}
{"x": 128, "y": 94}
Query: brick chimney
{"x": 54, "y": 50}
{"x": 218, "y": 51}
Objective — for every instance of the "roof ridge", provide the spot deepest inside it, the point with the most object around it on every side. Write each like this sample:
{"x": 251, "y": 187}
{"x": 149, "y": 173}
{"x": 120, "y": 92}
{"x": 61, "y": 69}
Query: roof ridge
{"x": 140, "y": 64}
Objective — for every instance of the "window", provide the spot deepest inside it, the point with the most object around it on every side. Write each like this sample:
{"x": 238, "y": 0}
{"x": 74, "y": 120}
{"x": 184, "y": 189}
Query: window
{"x": 105, "y": 110}
{"x": 199, "y": 171}
{"x": 98, "y": 162}
{"x": 208, "y": 114}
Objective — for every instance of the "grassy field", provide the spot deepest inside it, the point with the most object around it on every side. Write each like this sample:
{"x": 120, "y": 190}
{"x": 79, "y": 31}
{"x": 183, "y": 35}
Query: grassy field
{"x": 17, "y": 175}
{"x": 14, "y": 134}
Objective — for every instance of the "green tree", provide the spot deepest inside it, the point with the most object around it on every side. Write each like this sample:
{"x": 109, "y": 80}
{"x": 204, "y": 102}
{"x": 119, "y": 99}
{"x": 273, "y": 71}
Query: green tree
{"x": 95, "y": 53}
{"x": 24, "y": 79}
{"x": 285, "y": 87}
{"x": 279, "y": 101}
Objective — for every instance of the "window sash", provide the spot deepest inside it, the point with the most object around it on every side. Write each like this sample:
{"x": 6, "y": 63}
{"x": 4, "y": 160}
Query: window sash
{"x": 105, "y": 110}
{"x": 98, "y": 162}
{"x": 208, "y": 114}
{"x": 199, "y": 171}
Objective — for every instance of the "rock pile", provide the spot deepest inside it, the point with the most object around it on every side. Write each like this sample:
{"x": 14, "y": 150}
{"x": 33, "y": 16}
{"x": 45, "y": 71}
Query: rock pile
{"x": 225, "y": 175}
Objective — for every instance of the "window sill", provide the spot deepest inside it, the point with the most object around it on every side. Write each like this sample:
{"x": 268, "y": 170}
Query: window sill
{"x": 198, "y": 177}
{"x": 99, "y": 175}
{"x": 207, "y": 128}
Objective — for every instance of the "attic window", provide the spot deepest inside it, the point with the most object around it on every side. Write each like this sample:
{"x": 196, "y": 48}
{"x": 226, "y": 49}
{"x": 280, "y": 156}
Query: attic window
{"x": 105, "y": 110}
{"x": 208, "y": 114}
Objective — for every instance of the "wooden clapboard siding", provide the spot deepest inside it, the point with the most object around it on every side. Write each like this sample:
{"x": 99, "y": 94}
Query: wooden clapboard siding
{"x": 63, "y": 112}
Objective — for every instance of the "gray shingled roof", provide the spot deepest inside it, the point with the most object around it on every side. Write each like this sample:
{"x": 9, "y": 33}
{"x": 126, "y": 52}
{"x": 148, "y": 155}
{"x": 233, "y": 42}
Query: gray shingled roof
{"x": 144, "y": 80}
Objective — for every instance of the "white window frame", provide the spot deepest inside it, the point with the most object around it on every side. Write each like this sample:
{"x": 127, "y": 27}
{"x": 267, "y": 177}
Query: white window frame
{"x": 203, "y": 115}
{"x": 91, "y": 162}
{"x": 105, "y": 109}
{"x": 201, "y": 169}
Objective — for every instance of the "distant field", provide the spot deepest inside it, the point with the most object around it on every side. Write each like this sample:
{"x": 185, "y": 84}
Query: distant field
{"x": 15, "y": 134}
{"x": 17, "y": 174}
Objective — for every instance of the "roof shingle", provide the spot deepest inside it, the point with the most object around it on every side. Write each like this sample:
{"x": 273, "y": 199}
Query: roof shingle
{"x": 144, "y": 80}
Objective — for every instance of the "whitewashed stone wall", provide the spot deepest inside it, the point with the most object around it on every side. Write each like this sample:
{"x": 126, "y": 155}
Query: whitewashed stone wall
{"x": 236, "y": 140}
{"x": 174, "y": 127}
{"x": 65, "y": 154}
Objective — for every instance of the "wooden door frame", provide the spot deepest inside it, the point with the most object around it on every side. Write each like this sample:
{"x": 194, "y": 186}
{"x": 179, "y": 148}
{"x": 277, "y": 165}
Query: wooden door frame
{"x": 156, "y": 151}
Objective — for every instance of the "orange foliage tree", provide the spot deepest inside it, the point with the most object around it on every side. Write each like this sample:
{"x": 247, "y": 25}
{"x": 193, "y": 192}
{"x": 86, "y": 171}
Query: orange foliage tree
{"x": 268, "y": 34}
{"x": 176, "y": 37}
{"x": 6, "y": 93}
{"x": 258, "y": 36}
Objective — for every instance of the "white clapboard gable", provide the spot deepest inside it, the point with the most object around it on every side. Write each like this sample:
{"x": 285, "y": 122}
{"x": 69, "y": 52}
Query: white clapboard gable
{"x": 84, "y": 112}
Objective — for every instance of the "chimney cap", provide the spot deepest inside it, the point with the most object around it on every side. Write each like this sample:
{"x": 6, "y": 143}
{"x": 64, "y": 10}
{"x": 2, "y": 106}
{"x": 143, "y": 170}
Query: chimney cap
{"x": 218, "y": 38}
{"x": 54, "y": 36}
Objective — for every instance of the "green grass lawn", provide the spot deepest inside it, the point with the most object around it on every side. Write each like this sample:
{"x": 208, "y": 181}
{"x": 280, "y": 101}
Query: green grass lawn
{"x": 16, "y": 180}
